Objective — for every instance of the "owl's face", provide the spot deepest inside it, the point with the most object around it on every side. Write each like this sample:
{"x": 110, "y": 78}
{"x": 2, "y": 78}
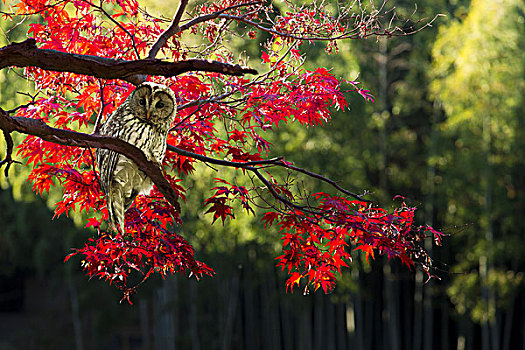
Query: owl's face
{"x": 154, "y": 104}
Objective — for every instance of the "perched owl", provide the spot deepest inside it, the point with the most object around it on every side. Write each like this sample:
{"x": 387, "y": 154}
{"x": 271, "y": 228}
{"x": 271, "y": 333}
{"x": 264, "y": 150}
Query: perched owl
{"x": 143, "y": 120}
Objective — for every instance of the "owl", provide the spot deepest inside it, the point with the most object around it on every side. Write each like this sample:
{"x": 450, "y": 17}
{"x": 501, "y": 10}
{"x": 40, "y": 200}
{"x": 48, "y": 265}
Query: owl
{"x": 142, "y": 120}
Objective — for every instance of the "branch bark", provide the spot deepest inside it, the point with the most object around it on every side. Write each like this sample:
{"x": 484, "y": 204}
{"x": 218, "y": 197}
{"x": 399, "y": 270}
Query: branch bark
{"x": 76, "y": 139}
{"x": 253, "y": 166}
{"x": 174, "y": 27}
{"x": 71, "y": 138}
{"x": 8, "y": 160}
{"x": 168, "y": 33}
{"x": 27, "y": 54}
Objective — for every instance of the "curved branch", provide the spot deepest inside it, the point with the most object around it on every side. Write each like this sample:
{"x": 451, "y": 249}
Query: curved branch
{"x": 8, "y": 160}
{"x": 215, "y": 15}
{"x": 71, "y": 138}
{"x": 174, "y": 27}
{"x": 252, "y": 166}
{"x": 27, "y": 54}
{"x": 172, "y": 30}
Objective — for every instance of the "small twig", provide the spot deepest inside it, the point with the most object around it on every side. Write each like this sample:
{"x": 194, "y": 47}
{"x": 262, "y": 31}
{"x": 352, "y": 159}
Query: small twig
{"x": 172, "y": 30}
{"x": 148, "y": 16}
{"x": 93, "y": 165}
{"x": 132, "y": 37}
{"x": 33, "y": 97}
{"x": 223, "y": 28}
{"x": 215, "y": 15}
{"x": 324, "y": 179}
{"x": 4, "y": 32}
{"x": 11, "y": 111}
{"x": 274, "y": 193}
{"x": 183, "y": 120}
{"x": 252, "y": 166}
{"x": 8, "y": 154}
{"x": 103, "y": 105}
{"x": 212, "y": 168}
{"x": 174, "y": 27}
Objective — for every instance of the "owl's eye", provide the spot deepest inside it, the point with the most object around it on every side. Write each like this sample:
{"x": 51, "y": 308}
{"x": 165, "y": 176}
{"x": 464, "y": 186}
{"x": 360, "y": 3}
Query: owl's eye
{"x": 142, "y": 102}
{"x": 159, "y": 105}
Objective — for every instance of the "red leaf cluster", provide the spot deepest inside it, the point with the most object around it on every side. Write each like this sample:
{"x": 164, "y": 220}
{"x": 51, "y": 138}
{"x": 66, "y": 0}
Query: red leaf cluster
{"x": 219, "y": 117}
{"x": 316, "y": 242}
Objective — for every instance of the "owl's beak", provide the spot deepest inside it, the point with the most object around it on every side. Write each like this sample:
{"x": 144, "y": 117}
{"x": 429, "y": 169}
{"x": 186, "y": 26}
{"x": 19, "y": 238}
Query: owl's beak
{"x": 147, "y": 115}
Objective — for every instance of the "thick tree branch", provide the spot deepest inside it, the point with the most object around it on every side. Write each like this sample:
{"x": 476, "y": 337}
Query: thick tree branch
{"x": 27, "y": 54}
{"x": 71, "y": 138}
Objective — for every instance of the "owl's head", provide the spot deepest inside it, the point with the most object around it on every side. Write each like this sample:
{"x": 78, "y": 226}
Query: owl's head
{"x": 154, "y": 104}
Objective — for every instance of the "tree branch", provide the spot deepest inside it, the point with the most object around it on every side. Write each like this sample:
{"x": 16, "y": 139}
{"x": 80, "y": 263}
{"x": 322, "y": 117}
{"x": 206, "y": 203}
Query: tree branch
{"x": 174, "y": 27}
{"x": 98, "y": 121}
{"x": 355, "y": 33}
{"x": 27, "y": 54}
{"x": 215, "y": 15}
{"x": 168, "y": 33}
{"x": 8, "y": 160}
{"x": 252, "y": 166}
{"x": 71, "y": 138}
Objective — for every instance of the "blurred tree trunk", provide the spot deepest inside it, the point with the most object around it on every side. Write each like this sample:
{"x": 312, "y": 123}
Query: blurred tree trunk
{"x": 193, "y": 317}
{"x": 319, "y": 321}
{"x": 250, "y": 326}
{"x": 426, "y": 297}
{"x": 268, "y": 336}
{"x": 391, "y": 296}
{"x": 507, "y": 330}
{"x": 144, "y": 324}
{"x": 383, "y": 110}
{"x": 274, "y": 331}
{"x": 304, "y": 327}
{"x": 287, "y": 324}
{"x": 350, "y": 320}
{"x": 230, "y": 312}
{"x": 377, "y": 306}
{"x": 164, "y": 327}
{"x": 330, "y": 324}
{"x": 522, "y": 327}
{"x": 417, "y": 339}
{"x": 358, "y": 321}
{"x": 340, "y": 311}
{"x": 485, "y": 261}
{"x": 77, "y": 321}
{"x": 445, "y": 334}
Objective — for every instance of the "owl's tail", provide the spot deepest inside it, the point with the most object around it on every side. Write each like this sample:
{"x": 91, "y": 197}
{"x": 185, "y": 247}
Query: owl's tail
{"x": 116, "y": 208}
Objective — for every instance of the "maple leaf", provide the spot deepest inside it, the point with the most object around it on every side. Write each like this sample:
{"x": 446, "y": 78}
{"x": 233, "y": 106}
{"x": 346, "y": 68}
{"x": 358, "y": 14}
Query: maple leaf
{"x": 368, "y": 249}
{"x": 269, "y": 218}
{"x": 93, "y": 222}
{"x": 294, "y": 279}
